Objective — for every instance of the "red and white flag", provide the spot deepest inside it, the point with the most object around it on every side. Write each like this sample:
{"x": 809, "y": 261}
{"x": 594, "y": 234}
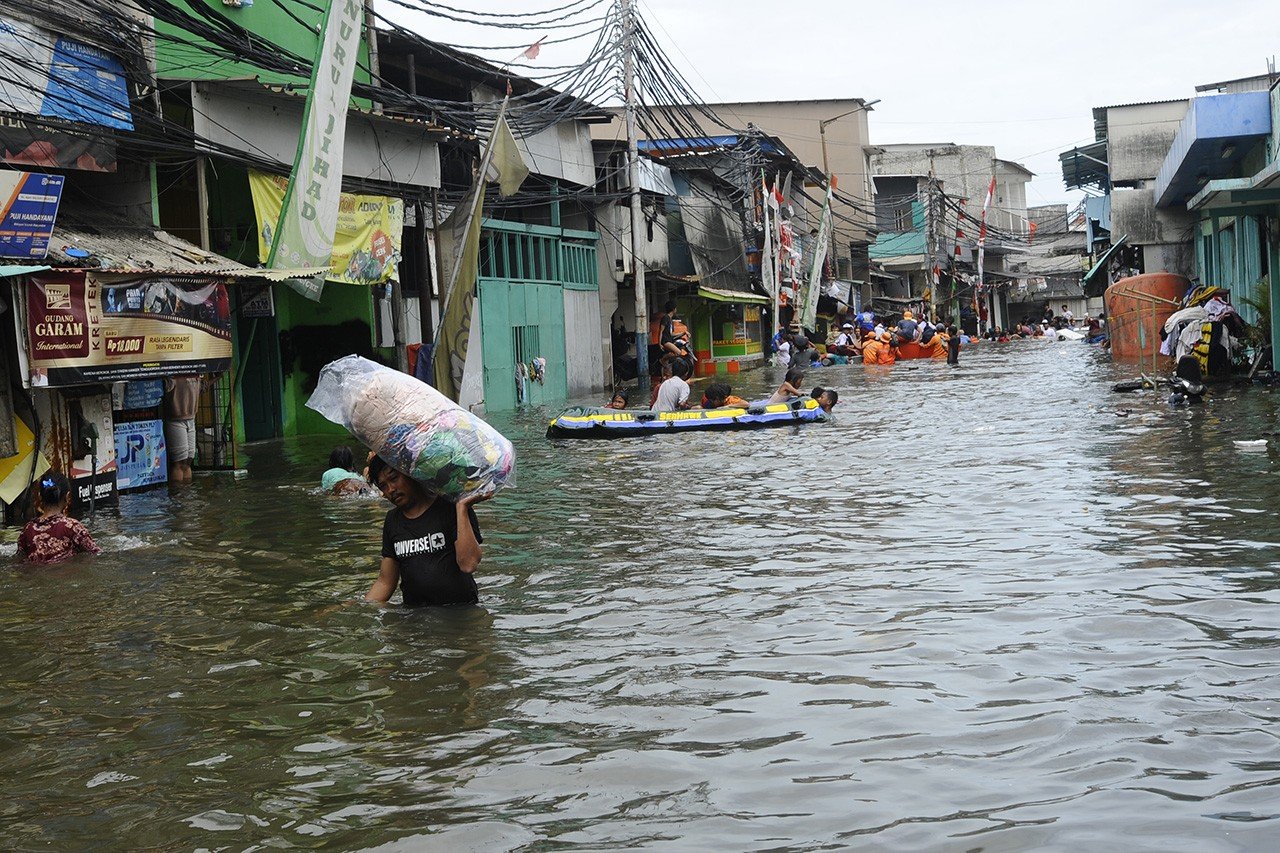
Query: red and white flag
{"x": 982, "y": 231}
{"x": 534, "y": 49}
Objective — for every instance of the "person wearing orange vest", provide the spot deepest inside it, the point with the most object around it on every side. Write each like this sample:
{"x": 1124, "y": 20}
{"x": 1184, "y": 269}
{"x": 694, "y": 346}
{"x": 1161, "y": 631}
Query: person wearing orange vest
{"x": 876, "y": 350}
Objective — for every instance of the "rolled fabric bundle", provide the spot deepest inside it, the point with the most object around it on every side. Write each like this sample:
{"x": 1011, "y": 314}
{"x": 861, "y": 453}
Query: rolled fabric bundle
{"x": 415, "y": 428}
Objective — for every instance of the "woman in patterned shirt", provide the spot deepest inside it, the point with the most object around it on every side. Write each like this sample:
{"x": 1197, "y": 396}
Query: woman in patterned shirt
{"x": 54, "y": 536}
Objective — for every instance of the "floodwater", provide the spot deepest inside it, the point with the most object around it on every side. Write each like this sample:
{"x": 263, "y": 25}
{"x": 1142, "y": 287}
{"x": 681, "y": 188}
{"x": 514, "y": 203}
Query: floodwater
{"x": 990, "y": 608}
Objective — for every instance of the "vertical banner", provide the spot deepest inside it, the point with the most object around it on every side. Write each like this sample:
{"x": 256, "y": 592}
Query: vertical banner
{"x": 459, "y": 238}
{"x": 809, "y": 308}
{"x": 982, "y": 230}
{"x": 309, "y": 218}
{"x": 768, "y": 266}
{"x": 459, "y": 235}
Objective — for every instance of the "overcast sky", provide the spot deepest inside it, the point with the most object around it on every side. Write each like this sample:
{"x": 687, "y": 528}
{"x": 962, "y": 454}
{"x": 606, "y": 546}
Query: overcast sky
{"x": 1022, "y": 76}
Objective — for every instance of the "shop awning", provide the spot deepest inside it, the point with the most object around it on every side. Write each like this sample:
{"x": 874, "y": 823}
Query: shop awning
{"x": 1106, "y": 257}
{"x": 7, "y": 270}
{"x": 718, "y": 295}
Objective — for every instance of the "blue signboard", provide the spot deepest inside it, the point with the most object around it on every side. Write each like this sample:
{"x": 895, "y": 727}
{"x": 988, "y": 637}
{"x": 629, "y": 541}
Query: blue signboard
{"x": 141, "y": 459}
{"x": 87, "y": 84}
{"x": 143, "y": 393}
{"x": 30, "y": 209}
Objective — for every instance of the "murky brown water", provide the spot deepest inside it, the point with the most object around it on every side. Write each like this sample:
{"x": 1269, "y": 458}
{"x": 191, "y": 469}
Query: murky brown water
{"x": 980, "y": 611}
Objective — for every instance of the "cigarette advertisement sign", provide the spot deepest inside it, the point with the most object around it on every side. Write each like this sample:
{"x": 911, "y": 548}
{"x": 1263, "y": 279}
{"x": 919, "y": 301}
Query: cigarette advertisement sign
{"x": 30, "y": 206}
{"x": 366, "y": 246}
{"x": 83, "y": 330}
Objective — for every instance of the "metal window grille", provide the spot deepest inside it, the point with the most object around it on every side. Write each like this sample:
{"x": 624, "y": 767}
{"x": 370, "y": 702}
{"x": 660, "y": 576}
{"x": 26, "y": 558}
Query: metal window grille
{"x": 525, "y": 343}
{"x": 215, "y": 420}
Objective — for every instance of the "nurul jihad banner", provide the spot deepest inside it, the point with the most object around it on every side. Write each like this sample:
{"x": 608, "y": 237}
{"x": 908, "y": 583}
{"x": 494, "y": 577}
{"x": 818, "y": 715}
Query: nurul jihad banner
{"x": 82, "y": 329}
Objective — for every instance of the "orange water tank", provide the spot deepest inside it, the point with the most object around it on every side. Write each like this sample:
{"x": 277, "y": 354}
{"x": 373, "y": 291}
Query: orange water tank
{"x": 1136, "y": 310}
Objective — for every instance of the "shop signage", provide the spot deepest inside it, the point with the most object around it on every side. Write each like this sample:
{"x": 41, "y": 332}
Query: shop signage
{"x": 142, "y": 394}
{"x": 141, "y": 459}
{"x": 94, "y": 472}
{"x": 47, "y": 75}
{"x": 82, "y": 329}
{"x": 55, "y": 145}
{"x": 257, "y": 303}
{"x": 30, "y": 206}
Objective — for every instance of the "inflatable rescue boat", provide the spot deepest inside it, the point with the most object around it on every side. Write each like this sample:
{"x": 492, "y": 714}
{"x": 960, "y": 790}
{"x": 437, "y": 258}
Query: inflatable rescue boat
{"x": 581, "y": 422}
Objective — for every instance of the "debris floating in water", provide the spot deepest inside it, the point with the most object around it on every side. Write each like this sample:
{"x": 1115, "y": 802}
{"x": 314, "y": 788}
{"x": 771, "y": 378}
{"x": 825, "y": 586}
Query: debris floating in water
{"x": 1252, "y": 445}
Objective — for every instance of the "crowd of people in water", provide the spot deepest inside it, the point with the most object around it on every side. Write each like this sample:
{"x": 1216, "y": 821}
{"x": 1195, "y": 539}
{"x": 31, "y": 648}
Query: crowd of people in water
{"x": 864, "y": 336}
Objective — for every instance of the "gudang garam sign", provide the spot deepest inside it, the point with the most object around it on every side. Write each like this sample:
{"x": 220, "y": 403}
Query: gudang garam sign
{"x": 82, "y": 329}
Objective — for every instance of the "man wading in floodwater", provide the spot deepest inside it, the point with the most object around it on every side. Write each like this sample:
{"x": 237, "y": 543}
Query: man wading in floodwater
{"x": 430, "y": 547}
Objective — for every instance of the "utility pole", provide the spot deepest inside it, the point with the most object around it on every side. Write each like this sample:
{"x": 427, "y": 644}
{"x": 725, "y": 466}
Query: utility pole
{"x": 633, "y": 181}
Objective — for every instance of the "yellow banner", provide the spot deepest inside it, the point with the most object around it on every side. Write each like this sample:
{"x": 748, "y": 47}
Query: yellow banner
{"x": 366, "y": 247}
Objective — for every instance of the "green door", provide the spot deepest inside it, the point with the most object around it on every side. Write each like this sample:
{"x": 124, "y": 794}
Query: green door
{"x": 260, "y": 379}
{"x": 520, "y": 321}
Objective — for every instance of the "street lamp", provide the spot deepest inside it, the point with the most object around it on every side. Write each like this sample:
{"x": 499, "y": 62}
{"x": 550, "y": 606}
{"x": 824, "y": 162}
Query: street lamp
{"x": 822, "y": 131}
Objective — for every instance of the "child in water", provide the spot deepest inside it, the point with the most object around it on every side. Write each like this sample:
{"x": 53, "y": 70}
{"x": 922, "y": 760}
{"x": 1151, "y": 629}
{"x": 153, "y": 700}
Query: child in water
{"x": 619, "y": 400}
{"x": 789, "y": 388}
{"x": 53, "y": 536}
{"x": 719, "y": 396}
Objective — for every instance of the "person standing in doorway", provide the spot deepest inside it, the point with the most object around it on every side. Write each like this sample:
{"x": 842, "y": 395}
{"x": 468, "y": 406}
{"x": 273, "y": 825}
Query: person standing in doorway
{"x": 181, "y": 394}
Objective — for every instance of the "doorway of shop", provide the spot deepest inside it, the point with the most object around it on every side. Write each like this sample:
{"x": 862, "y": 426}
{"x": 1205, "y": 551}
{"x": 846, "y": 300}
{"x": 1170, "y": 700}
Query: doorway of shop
{"x": 259, "y": 378}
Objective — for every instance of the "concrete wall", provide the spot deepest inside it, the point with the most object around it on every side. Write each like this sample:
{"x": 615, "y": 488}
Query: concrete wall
{"x": 1170, "y": 257}
{"x": 1138, "y": 138}
{"x": 964, "y": 171}
{"x": 584, "y": 342}
{"x": 1134, "y": 215}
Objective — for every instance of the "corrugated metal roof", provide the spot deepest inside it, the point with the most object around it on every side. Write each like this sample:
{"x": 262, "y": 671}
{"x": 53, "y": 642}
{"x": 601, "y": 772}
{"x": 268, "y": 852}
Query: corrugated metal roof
{"x": 84, "y": 245}
{"x": 138, "y": 250}
{"x": 7, "y": 270}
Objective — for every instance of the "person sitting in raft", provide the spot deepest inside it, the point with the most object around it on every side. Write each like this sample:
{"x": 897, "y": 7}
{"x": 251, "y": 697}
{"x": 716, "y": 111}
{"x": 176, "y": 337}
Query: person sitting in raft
{"x": 826, "y": 397}
{"x": 720, "y": 396}
{"x": 908, "y": 329}
{"x": 53, "y": 536}
{"x": 845, "y": 343}
{"x": 341, "y": 477}
{"x": 673, "y": 393}
{"x": 619, "y": 399}
{"x": 430, "y": 547}
{"x": 790, "y": 387}
{"x": 927, "y": 330}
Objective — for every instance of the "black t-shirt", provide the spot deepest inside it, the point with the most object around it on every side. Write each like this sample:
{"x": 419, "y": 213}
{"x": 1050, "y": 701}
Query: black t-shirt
{"x": 424, "y": 548}
{"x": 907, "y": 328}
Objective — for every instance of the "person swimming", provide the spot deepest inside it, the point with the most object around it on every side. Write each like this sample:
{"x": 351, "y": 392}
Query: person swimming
{"x": 826, "y": 397}
{"x": 720, "y": 396}
{"x": 341, "y": 477}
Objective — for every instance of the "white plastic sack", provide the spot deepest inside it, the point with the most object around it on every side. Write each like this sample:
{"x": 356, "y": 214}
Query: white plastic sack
{"x": 415, "y": 428}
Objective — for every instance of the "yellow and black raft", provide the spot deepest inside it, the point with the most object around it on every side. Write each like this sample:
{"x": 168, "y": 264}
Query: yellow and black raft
{"x": 579, "y": 422}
